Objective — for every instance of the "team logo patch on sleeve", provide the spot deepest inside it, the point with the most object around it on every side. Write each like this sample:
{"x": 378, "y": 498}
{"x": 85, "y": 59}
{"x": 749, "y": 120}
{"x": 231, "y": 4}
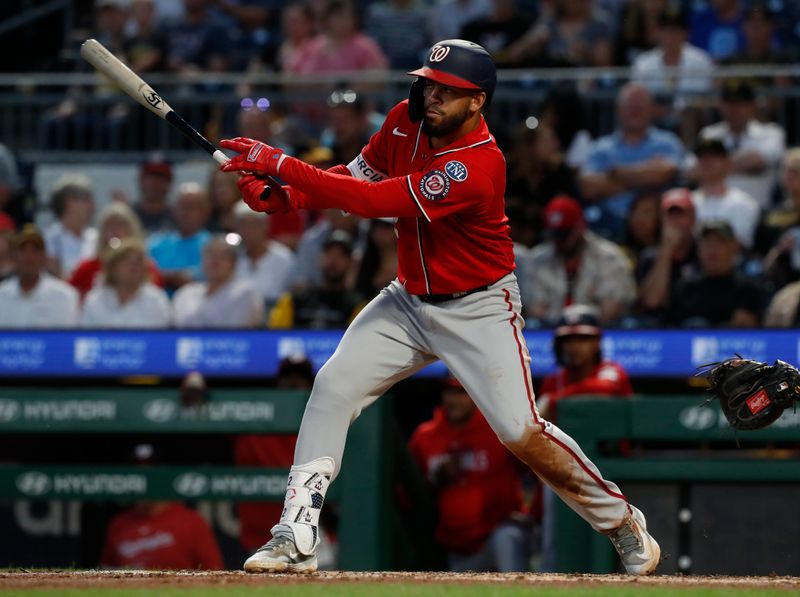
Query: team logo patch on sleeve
{"x": 434, "y": 185}
{"x": 456, "y": 170}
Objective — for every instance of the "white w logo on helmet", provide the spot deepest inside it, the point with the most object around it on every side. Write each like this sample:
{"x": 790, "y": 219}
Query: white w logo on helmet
{"x": 439, "y": 53}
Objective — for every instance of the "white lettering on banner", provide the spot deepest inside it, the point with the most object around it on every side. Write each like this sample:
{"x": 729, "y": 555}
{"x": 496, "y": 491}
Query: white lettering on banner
{"x": 212, "y": 353}
{"x": 250, "y": 486}
{"x": 88, "y": 484}
{"x": 33, "y": 483}
{"x": 698, "y": 418}
{"x": 191, "y": 484}
{"x": 160, "y": 410}
{"x": 360, "y": 169}
{"x": 241, "y": 411}
{"x": 164, "y": 410}
{"x": 9, "y": 410}
{"x": 109, "y": 353}
{"x": 16, "y": 354}
{"x": 69, "y": 410}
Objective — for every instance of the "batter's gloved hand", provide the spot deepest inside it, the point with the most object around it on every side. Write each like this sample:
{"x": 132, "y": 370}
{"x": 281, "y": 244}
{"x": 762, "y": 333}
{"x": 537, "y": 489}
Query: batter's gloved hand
{"x": 254, "y": 157}
{"x": 265, "y": 194}
{"x": 753, "y": 394}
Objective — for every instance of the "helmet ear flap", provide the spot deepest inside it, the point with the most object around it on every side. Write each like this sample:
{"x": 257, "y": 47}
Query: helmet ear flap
{"x": 416, "y": 100}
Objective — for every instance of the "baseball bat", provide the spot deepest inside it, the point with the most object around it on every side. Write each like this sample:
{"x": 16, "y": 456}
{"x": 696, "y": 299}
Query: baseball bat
{"x": 99, "y": 57}
{"x": 132, "y": 84}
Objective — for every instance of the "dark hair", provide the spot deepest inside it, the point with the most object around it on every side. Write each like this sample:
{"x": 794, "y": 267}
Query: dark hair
{"x": 62, "y": 192}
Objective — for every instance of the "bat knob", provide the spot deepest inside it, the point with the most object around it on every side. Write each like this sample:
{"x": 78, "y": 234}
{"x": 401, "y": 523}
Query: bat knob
{"x": 266, "y": 193}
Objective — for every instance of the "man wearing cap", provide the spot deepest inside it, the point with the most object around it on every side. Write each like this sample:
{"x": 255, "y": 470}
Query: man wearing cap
{"x": 435, "y": 167}
{"x": 694, "y": 66}
{"x": 330, "y": 304}
{"x": 635, "y": 156}
{"x": 716, "y": 199}
{"x": 661, "y": 267}
{"x": 155, "y": 180}
{"x": 576, "y": 266}
{"x": 755, "y": 148}
{"x": 32, "y": 298}
{"x": 719, "y": 296}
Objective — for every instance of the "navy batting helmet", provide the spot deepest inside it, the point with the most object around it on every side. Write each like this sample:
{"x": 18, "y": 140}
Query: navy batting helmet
{"x": 576, "y": 320}
{"x": 455, "y": 63}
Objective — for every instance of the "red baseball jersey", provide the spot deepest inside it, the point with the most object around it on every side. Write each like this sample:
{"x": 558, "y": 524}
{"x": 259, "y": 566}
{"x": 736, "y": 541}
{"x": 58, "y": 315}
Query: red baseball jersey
{"x": 488, "y": 489}
{"x": 176, "y": 538}
{"x": 607, "y": 378}
{"x": 453, "y": 234}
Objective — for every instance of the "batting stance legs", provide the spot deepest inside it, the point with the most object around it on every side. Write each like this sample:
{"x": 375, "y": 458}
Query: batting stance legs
{"x": 479, "y": 338}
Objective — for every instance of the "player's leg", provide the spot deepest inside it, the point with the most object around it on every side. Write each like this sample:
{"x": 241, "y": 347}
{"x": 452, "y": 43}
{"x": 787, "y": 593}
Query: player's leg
{"x": 379, "y": 348}
{"x": 480, "y": 340}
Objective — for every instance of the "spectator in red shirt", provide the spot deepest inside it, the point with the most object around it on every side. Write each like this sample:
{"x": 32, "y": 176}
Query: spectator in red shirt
{"x": 117, "y": 222}
{"x": 477, "y": 485}
{"x": 159, "y": 535}
{"x": 582, "y": 368}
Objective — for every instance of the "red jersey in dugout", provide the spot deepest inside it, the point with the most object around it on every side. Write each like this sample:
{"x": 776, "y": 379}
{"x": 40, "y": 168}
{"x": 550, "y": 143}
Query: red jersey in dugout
{"x": 486, "y": 493}
{"x": 460, "y": 240}
{"x": 607, "y": 378}
{"x": 177, "y": 538}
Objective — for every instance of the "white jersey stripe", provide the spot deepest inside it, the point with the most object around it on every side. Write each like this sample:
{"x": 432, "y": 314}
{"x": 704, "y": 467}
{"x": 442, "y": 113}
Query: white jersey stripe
{"x": 414, "y": 196}
{"x": 490, "y": 139}
{"x": 422, "y": 258}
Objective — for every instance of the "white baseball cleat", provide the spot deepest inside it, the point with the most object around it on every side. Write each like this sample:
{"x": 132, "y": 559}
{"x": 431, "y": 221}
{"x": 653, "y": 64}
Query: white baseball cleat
{"x": 280, "y": 554}
{"x": 640, "y": 553}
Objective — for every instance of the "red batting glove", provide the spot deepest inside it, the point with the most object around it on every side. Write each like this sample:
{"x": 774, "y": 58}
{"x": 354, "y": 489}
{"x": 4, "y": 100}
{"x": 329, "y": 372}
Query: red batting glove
{"x": 267, "y": 196}
{"x": 254, "y": 156}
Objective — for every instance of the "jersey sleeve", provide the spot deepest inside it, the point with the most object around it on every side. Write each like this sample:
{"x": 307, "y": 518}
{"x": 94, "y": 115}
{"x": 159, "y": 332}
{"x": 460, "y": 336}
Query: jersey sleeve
{"x": 430, "y": 194}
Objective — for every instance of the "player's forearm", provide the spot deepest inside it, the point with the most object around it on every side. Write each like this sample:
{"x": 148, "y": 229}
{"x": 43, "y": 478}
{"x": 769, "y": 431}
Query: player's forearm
{"x": 322, "y": 190}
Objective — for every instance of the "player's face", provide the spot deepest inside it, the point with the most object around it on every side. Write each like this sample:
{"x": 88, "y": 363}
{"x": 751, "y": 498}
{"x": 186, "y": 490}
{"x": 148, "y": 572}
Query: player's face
{"x": 446, "y": 108}
{"x": 29, "y": 259}
{"x": 580, "y": 351}
{"x": 458, "y": 406}
{"x": 130, "y": 269}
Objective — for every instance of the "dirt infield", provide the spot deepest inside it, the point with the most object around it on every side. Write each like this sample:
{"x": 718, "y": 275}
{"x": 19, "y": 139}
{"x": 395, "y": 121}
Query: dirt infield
{"x": 25, "y": 579}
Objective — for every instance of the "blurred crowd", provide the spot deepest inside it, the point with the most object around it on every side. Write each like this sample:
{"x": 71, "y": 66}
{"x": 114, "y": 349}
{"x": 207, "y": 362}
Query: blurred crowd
{"x": 687, "y": 213}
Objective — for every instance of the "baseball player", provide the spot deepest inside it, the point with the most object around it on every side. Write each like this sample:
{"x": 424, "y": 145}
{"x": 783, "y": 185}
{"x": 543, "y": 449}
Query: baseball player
{"x": 435, "y": 167}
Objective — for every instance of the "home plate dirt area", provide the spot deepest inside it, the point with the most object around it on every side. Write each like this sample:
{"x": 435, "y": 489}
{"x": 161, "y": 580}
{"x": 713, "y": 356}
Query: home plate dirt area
{"x": 22, "y": 579}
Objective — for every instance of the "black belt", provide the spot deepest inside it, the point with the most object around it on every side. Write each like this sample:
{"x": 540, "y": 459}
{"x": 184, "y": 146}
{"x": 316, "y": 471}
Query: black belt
{"x": 441, "y": 298}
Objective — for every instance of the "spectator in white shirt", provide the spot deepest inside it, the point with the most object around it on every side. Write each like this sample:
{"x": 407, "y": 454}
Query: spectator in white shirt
{"x": 32, "y": 298}
{"x": 71, "y": 238}
{"x": 693, "y": 66}
{"x": 265, "y": 262}
{"x": 221, "y": 301}
{"x": 756, "y": 148}
{"x": 716, "y": 199}
{"x": 126, "y": 299}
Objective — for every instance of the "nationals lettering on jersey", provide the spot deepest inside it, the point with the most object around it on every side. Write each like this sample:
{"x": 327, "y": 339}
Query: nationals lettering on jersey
{"x": 460, "y": 240}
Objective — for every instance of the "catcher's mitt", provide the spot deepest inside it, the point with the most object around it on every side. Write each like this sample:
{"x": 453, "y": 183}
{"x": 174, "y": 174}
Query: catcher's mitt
{"x": 753, "y": 394}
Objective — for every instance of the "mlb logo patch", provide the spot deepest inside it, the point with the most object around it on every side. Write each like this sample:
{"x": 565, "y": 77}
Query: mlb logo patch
{"x": 456, "y": 170}
{"x": 434, "y": 185}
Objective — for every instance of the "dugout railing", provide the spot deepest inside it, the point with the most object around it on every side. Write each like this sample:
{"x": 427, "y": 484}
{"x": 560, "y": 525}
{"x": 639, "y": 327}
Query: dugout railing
{"x": 368, "y": 523}
{"x": 709, "y": 492}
